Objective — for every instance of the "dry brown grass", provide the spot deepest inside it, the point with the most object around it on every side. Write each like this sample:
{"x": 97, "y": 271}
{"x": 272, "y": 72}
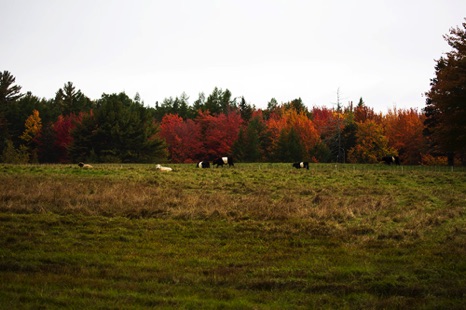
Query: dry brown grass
{"x": 364, "y": 198}
{"x": 108, "y": 197}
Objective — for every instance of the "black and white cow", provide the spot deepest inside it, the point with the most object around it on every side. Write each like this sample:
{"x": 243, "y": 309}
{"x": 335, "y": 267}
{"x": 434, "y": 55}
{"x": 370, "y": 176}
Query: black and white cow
{"x": 223, "y": 161}
{"x": 203, "y": 164}
{"x": 303, "y": 164}
{"x": 391, "y": 160}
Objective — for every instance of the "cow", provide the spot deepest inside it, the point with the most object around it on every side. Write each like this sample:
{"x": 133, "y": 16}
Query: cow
{"x": 303, "y": 164}
{"x": 161, "y": 168}
{"x": 391, "y": 160}
{"x": 85, "y": 166}
{"x": 203, "y": 164}
{"x": 223, "y": 161}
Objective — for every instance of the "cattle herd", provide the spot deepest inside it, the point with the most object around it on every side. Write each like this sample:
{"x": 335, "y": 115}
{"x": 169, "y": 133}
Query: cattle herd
{"x": 227, "y": 160}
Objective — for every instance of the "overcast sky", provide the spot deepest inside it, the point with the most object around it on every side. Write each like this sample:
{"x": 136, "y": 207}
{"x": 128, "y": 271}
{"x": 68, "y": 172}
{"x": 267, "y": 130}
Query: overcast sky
{"x": 382, "y": 51}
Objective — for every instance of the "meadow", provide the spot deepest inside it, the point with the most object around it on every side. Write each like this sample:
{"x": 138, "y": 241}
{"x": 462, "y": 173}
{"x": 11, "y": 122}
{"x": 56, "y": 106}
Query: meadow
{"x": 256, "y": 236}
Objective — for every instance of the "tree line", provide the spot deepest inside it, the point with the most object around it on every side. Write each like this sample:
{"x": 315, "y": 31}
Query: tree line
{"x": 116, "y": 128}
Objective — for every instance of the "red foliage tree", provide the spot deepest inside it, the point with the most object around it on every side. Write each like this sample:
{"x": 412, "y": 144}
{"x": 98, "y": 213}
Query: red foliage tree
{"x": 324, "y": 121}
{"x": 182, "y": 137}
{"x": 63, "y": 138}
{"x": 219, "y": 132}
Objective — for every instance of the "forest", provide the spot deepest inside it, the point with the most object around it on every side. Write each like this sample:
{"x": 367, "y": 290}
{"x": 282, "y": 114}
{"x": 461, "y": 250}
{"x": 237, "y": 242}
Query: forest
{"x": 71, "y": 127}
{"x": 115, "y": 128}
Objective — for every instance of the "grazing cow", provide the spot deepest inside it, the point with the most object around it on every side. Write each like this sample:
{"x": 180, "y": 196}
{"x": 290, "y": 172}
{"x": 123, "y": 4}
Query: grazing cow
{"x": 303, "y": 164}
{"x": 84, "y": 166}
{"x": 203, "y": 164}
{"x": 223, "y": 161}
{"x": 158, "y": 167}
{"x": 391, "y": 160}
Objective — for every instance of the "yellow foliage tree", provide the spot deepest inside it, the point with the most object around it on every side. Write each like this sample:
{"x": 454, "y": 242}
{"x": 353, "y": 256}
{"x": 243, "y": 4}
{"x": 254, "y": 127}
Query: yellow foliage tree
{"x": 371, "y": 144}
{"x": 32, "y": 127}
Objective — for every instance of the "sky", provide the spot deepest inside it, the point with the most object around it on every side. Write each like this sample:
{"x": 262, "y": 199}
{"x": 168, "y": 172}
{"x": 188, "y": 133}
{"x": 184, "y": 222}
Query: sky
{"x": 322, "y": 51}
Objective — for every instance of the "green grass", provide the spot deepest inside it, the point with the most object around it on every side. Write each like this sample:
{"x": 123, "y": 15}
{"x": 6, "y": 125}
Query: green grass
{"x": 262, "y": 236}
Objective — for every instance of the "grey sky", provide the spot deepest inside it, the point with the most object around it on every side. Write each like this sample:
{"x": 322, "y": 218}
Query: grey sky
{"x": 382, "y": 51}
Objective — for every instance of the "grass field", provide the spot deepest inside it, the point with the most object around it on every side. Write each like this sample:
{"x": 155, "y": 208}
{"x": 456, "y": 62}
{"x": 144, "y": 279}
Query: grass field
{"x": 257, "y": 236}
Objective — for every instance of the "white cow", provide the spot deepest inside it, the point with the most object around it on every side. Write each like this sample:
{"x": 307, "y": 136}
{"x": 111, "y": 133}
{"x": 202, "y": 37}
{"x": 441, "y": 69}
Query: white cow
{"x": 161, "y": 168}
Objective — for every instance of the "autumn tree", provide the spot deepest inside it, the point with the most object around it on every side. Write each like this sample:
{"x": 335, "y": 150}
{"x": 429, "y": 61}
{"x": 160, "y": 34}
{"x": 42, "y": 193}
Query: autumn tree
{"x": 446, "y": 100}
{"x": 219, "y": 132}
{"x": 324, "y": 121}
{"x": 32, "y": 128}
{"x": 280, "y": 125}
{"x": 362, "y": 113}
{"x": 404, "y": 128}
{"x": 371, "y": 144}
{"x": 62, "y": 129}
{"x": 183, "y": 138}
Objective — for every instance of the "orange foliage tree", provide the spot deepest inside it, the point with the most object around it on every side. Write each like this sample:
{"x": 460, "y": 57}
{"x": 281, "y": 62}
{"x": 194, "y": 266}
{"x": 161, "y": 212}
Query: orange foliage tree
{"x": 32, "y": 130}
{"x": 32, "y": 127}
{"x": 403, "y": 129}
{"x": 284, "y": 120}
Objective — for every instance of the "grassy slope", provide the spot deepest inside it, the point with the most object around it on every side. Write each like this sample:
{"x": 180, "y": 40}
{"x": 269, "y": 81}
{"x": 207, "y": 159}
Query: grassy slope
{"x": 256, "y": 236}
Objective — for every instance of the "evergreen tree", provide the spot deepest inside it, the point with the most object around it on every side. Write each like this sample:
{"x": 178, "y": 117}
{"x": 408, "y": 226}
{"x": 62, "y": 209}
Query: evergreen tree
{"x": 69, "y": 100}
{"x": 245, "y": 110}
{"x": 214, "y": 102}
{"x": 247, "y": 146}
{"x": 238, "y": 148}
{"x": 289, "y": 146}
{"x": 218, "y": 101}
{"x": 252, "y": 151}
{"x": 47, "y": 152}
{"x": 83, "y": 139}
{"x": 9, "y": 95}
{"x": 199, "y": 104}
{"x": 446, "y": 100}
{"x": 8, "y": 91}
{"x": 118, "y": 130}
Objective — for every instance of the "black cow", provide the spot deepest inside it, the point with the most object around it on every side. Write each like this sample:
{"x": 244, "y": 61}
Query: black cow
{"x": 223, "y": 161}
{"x": 391, "y": 160}
{"x": 203, "y": 164}
{"x": 303, "y": 164}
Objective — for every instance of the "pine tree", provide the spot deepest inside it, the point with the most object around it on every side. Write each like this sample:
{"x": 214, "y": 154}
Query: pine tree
{"x": 446, "y": 100}
{"x": 8, "y": 91}
{"x": 69, "y": 100}
{"x": 119, "y": 130}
